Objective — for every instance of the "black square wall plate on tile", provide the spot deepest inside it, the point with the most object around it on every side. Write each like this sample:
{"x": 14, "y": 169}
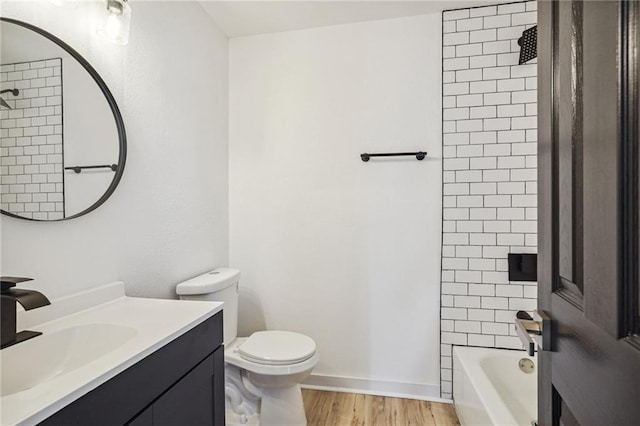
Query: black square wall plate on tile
{"x": 523, "y": 267}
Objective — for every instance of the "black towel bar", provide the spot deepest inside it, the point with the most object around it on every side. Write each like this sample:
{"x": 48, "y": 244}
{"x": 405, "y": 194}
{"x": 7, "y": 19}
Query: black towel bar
{"x": 419, "y": 155}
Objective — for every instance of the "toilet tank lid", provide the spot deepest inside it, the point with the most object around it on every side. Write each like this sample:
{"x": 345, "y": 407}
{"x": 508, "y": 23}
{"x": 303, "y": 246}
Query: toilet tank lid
{"x": 209, "y": 282}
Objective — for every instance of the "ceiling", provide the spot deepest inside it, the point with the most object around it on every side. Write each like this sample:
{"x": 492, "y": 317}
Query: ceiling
{"x": 238, "y": 18}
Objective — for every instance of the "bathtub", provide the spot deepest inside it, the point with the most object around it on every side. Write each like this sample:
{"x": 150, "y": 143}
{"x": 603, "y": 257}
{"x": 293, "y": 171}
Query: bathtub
{"x": 490, "y": 389}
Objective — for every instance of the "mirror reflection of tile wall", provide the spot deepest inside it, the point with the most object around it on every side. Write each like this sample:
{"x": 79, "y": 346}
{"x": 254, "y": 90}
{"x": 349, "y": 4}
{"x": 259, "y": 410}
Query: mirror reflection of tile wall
{"x": 31, "y": 140}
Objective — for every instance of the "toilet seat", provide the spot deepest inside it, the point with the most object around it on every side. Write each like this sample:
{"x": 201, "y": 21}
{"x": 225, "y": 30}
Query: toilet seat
{"x": 232, "y": 356}
{"x": 277, "y": 348}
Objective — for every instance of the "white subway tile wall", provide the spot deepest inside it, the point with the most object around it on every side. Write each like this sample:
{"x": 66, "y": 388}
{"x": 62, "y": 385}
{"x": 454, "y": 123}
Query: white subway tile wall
{"x": 31, "y": 154}
{"x": 489, "y": 177}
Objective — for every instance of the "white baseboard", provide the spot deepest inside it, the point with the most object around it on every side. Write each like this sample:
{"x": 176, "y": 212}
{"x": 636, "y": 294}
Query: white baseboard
{"x": 374, "y": 387}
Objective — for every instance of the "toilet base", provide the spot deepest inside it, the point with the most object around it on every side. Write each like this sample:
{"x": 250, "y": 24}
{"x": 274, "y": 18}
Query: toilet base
{"x": 279, "y": 407}
{"x": 282, "y": 407}
{"x": 251, "y": 405}
{"x": 233, "y": 419}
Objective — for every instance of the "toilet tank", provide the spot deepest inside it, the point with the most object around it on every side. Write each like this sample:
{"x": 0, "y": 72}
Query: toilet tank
{"x": 219, "y": 285}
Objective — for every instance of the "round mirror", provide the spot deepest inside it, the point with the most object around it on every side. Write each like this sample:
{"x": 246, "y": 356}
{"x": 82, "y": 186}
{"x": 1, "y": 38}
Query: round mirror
{"x": 62, "y": 138}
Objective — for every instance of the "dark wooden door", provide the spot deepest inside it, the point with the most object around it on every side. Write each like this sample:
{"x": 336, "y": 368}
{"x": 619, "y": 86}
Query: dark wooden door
{"x": 588, "y": 211}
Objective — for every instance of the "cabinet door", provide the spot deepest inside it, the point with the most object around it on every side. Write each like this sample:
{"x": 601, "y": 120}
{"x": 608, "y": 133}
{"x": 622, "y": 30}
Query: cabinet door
{"x": 143, "y": 419}
{"x": 190, "y": 401}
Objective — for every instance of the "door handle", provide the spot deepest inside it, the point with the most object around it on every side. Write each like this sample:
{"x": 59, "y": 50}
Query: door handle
{"x": 534, "y": 332}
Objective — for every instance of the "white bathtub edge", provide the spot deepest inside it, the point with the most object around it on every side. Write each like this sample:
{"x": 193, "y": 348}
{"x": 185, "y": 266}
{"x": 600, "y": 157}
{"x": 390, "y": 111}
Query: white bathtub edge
{"x": 491, "y": 403}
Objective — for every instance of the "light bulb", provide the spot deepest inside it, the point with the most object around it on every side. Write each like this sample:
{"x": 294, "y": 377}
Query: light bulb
{"x": 65, "y": 3}
{"x": 112, "y": 28}
{"x": 116, "y": 22}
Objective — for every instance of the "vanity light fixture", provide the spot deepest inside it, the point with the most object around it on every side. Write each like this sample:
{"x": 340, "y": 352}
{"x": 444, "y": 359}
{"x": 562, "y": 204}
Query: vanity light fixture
{"x": 116, "y": 22}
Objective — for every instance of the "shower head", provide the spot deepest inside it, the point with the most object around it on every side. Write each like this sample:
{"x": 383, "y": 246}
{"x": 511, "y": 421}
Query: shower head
{"x": 14, "y": 92}
{"x": 528, "y": 45}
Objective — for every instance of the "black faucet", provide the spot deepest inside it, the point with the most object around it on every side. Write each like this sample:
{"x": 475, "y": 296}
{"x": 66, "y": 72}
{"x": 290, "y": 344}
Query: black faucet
{"x": 29, "y": 299}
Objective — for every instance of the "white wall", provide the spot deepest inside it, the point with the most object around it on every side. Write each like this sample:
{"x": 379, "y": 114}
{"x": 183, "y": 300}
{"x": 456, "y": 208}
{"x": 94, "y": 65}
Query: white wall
{"x": 344, "y": 251}
{"x": 168, "y": 218}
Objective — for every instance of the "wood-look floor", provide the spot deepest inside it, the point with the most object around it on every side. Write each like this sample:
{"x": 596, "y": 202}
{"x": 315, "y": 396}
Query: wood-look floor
{"x": 350, "y": 409}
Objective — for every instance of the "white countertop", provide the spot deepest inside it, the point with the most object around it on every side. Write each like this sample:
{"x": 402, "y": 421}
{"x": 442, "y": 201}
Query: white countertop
{"x": 151, "y": 324}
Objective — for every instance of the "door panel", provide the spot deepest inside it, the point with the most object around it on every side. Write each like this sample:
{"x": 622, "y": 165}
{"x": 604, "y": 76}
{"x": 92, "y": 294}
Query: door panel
{"x": 588, "y": 211}
{"x": 595, "y": 377}
{"x": 601, "y": 153}
{"x": 569, "y": 148}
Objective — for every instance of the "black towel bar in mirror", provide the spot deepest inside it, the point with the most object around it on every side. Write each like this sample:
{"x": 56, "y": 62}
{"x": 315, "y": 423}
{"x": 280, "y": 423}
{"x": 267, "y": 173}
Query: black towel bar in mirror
{"x": 79, "y": 169}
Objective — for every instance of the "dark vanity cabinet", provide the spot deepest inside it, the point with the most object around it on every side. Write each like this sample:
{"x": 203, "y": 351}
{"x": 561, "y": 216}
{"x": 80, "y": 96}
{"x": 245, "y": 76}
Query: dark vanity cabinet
{"x": 188, "y": 402}
{"x": 181, "y": 383}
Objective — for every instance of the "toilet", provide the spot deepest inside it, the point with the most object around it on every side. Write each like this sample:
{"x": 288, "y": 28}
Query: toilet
{"x": 263, "y": 371}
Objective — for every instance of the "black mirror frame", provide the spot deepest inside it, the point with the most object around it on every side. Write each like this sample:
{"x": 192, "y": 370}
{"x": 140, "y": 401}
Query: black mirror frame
{"x": 122, "y": 155}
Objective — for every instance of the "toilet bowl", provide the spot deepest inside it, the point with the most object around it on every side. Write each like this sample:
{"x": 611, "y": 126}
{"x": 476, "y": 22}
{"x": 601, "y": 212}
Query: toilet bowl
{"x": 263, "y": 371}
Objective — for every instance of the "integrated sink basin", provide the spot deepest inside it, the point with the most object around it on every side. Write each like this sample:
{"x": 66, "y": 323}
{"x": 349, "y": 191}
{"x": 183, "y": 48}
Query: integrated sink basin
{"x": 45, "y": 357}
{"x": 87, "y": 339}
